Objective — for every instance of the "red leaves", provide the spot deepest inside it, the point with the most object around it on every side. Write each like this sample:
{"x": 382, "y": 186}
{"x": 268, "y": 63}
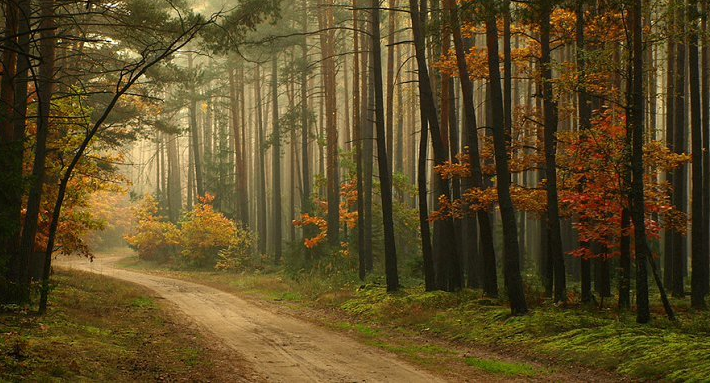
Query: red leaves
{"x": 595, "y": 190}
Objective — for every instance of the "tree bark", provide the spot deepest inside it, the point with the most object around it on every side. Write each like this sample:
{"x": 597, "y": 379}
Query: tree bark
{"x": 390, "y": 81}
{"x": 327, "y": 41}
{"x": 668, "y": 234}
{"x": 551, "y": 120}
{"x": 384, "y": 165}
{"x": 428, "y": 106}
{"x": 10, "y": 225}
{"x": 679, "y": 146}
{"x": 277, "y": 228}
{"x": 426, "y": 101}
{"x": 511, "y": 264}
{"x": 489, "y": 271}
{"x": 705, "y": 74}
{"x": 638, "y": 210}
{"x": 261, "y": 165}
{"x": 196, "y": 158}
{"x": 698, "y": 237}
{"x": 44, "y": 95}
{"x": 585, "y": 117}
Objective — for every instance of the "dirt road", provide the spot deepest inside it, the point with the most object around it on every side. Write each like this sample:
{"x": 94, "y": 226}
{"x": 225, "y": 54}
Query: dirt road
{"x": 280, "y": 348}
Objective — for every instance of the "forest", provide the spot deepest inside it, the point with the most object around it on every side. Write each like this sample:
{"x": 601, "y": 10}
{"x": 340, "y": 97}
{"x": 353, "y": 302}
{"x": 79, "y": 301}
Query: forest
{"x": 495, "y": 175}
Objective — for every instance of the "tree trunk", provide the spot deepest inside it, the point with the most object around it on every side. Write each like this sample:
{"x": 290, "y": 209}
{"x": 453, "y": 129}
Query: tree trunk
{"x": 550, "y": 131}
{"x": 643, "y": 252}
{"x": 426, "y": 106}
{"x": 196, "y": 158}
{"x": 585, "y": 117}
{"x": 384, "y": 166}
{"x": 489, "y": 272}
{"x": 261, "y": 165}
{"x": 277, "y": 228}
{"x": 240, "y": 168}
{"x": 390, "y": 82}
{"x": 174, "y": 184}
{"x": 705, "y": 52}
{"x": 668, "y": 234}
{"x": 507, "y": 72}
{"x": 305, "y": 120}
{"x": 44, "y": 95}
{"x": 366, "y": 108}
{"x": 698, "y": 237}
{"x": 679, "y": 178}
{"x": 511, "y": 264}
{"x": 12, "y": 153}
{"x": 9, "y": 181}
{"x": 327, "y": 41}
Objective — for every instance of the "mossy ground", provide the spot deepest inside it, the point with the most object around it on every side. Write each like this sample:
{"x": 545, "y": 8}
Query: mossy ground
{"x": 100, "y": 329}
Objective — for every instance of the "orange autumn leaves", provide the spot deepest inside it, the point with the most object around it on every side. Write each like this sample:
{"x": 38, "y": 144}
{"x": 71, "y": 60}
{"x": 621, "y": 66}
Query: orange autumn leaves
{"x": 198, "y": 238}
{"x": 593, "y": 187}
{"x": 348, "y": 215}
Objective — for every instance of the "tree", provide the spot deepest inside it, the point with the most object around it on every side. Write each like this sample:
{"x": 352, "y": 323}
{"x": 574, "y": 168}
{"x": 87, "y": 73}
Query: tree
{"x": 643, "y": 252}
{"x": 276, "y": 164}
{"x": 511, "y": 262}
{"x": 700, "y": 260}
{"x": 550, "y": 111}
{"x": 441, "y": 187}
{"x": 44, "y": 95}
{"x": 585, "y": 116}
{"x": 489, "y": 272}
{"x": 382, "y": 155}
{"x": 327, "y": 43}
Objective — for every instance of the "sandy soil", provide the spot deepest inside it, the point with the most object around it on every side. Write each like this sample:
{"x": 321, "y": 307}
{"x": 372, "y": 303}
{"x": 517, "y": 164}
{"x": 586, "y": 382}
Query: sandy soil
{"x": 280, "y": 348}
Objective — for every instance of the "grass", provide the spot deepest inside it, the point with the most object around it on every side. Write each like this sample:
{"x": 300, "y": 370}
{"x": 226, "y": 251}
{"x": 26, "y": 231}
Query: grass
{"x": 599, "y": 338}
{"x": 502, "y": 368}
{"x": 100, "y": 329}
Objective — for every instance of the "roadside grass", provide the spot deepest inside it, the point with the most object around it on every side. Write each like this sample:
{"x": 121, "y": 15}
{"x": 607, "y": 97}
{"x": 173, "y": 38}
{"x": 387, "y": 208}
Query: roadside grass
{"x": 101, "y": 329}
{"x": 502, "y": 368}
{"x": 596, "y": 337}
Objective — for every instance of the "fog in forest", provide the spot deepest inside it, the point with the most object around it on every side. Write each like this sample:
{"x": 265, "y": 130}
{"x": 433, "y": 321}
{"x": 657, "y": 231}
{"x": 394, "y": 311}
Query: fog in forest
{"x": 448, "y": 169}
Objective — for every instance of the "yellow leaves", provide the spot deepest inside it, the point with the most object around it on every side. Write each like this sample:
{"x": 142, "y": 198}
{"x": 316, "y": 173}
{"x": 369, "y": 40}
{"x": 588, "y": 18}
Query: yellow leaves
{"x": 447, "y": 64}
{"x": 480, "y": 199}
{"x": 530, "y": 200}
{"x": 153, "y": 236}
{"x": 564, "y": 24}
{"x": 477, "y": 63}
{"x": 658, "y": 156}
{"x": 203, "y": 231}
{"x": 201, "y": 234}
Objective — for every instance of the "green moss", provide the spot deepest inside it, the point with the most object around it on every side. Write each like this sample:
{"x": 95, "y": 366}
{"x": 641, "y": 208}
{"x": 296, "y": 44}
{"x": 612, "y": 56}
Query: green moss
{"x": 503, "y": 368}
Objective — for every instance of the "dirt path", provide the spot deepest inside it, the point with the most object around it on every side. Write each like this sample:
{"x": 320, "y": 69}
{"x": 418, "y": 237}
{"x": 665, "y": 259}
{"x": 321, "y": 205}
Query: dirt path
{"x": 281, "y": 348}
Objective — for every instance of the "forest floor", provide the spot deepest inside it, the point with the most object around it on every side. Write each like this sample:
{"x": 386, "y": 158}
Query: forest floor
{"x": 105, "y": 330}
{"x": 279, "y": 347}
{"x": 465, "y": 337}
{"x": 330, "y": 337}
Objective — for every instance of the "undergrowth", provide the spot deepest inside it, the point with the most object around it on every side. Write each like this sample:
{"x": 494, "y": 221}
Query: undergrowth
{"x": 100, "y": 329}
{"x": 597, "y": 337}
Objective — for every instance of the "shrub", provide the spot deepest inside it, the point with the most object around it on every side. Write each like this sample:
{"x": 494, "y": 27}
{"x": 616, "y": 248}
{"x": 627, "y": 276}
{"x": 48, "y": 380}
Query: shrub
{"x": 204, "y": 232}
{"x": 239, "y": 255}
{"x": 153, "y": 238}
